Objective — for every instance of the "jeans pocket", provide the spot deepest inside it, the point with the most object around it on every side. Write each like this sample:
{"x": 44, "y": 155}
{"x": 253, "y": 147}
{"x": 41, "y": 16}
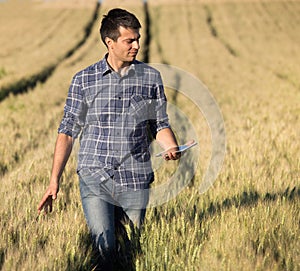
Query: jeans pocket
{"x": 88, "y": 184}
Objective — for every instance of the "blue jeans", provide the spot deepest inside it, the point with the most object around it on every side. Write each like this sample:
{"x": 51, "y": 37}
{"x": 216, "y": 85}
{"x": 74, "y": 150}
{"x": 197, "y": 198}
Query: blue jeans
{"x": 105, "y": 205}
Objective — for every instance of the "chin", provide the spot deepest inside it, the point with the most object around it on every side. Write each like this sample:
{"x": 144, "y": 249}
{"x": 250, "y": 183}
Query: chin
{"x": 132, "y": 58}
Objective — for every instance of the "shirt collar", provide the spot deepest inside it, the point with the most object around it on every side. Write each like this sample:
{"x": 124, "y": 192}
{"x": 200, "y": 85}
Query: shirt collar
{"x": 104, "y": 66}
{"x": 106, "y": 69}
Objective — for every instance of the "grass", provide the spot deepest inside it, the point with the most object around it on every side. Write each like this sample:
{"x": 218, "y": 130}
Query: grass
{"x": 248, "y": 219}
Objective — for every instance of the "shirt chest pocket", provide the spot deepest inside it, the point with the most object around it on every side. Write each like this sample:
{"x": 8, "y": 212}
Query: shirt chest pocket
{"x": 141, "y": 106}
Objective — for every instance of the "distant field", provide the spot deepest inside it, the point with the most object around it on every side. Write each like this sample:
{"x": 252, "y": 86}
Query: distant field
{"x": 246, "y": 52}
{"x": 33, "y": 48}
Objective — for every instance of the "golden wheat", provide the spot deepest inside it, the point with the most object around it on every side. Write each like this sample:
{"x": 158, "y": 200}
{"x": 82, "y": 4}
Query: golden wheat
{"x": 247, "y": 53}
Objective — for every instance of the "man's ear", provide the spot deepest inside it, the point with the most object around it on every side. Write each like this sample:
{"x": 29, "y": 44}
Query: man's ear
{"x": 108, "y": 42}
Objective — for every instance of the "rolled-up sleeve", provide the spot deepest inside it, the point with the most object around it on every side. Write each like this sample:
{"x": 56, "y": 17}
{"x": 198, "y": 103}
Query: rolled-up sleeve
{"x": 74, "y": 111}
{"x": 160, "y": 120}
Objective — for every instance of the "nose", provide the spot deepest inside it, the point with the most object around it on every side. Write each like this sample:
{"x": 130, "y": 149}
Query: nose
{"x": 136, "y": 45}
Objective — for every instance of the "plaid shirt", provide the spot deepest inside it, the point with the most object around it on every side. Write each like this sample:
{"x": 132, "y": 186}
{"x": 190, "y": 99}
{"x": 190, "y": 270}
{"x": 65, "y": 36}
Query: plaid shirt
{"x": 114, "y": 115}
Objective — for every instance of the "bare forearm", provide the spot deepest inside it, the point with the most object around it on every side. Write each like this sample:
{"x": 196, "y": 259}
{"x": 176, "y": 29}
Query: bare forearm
{"x": 166, "y": 138}
{"x": 62, "y": 153}
{"x": 63, "y": 148}
{"x": 167, "y": 141}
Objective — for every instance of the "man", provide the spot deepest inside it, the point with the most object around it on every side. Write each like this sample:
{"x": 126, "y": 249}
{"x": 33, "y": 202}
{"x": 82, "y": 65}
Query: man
{"x": 113, "y": 103}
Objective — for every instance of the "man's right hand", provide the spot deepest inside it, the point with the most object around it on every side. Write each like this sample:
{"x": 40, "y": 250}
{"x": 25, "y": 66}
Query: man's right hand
{"x": 62, "y": 152}
{"x": 50, "y": 195}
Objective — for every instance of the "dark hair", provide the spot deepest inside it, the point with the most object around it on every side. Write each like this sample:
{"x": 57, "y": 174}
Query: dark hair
{"x": 113, "y": 20}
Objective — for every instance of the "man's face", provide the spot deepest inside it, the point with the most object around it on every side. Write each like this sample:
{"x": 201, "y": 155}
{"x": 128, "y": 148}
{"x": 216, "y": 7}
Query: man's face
{"x": 126, "y": 47}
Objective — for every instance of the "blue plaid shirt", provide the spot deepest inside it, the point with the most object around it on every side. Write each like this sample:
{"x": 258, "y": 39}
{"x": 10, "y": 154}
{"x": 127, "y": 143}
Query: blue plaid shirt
{"x": 114, "y": 116}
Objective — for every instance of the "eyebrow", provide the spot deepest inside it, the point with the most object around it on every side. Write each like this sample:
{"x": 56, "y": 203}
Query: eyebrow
{"x": 138, "y": 37}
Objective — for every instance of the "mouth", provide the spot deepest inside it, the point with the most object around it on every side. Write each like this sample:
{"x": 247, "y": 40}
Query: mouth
{"x": 134, "y": 53}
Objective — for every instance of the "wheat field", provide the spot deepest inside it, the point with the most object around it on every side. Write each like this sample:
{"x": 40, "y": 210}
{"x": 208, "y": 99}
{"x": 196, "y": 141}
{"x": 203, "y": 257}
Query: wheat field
{"x": 246, "y": 52}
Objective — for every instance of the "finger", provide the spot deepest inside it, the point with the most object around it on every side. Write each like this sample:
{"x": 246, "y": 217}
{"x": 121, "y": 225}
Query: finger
{"x": 47, "y": 207}
{"x": 170, "y": 155}
{"x": 174, "y": 155}
{"x": 45, "y": 202}
{"x": 49, "y": 204}
{"x": 42, "y": 202}
{"x": 177, "y": 155}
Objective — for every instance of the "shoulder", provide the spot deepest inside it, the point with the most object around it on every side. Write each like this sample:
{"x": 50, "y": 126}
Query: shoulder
{"x": 90, "y": 73}
{"x": 145, "y": 68}
{"x": 148, "y": 73}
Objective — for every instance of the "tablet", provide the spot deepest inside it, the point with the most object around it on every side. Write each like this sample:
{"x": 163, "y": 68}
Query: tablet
{"x": 181, "y": 148}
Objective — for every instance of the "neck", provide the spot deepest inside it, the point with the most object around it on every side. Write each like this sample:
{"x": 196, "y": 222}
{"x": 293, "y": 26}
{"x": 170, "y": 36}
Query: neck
{"x": 118, "y": 66}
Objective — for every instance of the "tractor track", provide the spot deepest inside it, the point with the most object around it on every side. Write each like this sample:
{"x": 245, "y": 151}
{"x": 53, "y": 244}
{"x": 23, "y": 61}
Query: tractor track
{"x": 146, "y": 45}
{"x": 25, "y": 84}
{"x": 215, "y": 34}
